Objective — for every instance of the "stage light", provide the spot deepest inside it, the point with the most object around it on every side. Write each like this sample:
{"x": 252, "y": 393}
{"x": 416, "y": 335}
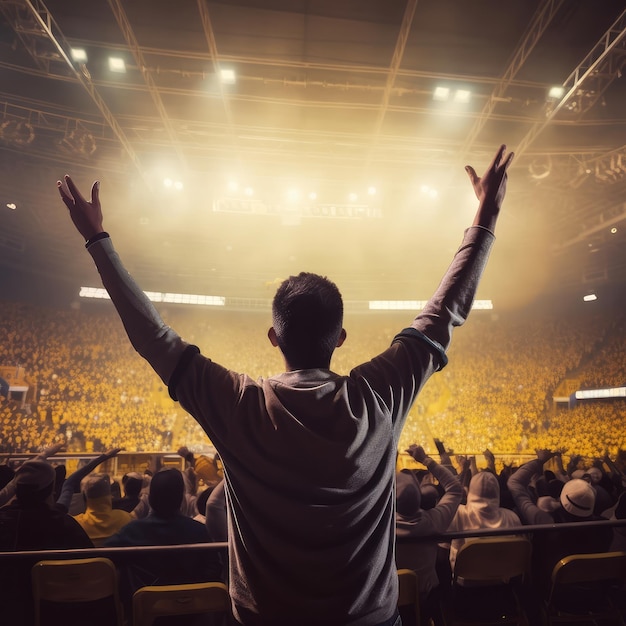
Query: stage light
{"x": 556, "y": 92}
{"x": 441, "y": 94}
{"x": 12, "y": 206}
{"x": 17, "y": 132}
{"x": 293, "y": 194}
{"x": 228, "y": 76}
{"x": 79, "y": 55}
{"x": 462, "y": 96}
{"x": 590, "y": 297}
{"x": 117, "y": 64}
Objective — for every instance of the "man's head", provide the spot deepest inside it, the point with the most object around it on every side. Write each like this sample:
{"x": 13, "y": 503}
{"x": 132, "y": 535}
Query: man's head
{"x": 34, "y": 482}
{"x": 307, "y": 315}
{"x": 96, "y": 486}
{"x": 132, "y": 482}
{"x": 167, "y": 489}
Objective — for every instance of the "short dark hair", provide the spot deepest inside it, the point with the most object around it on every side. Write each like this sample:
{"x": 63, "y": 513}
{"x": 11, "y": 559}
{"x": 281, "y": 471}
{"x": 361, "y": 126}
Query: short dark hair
{"x": 307, "y": 314}
{"x": 167, "y": 489}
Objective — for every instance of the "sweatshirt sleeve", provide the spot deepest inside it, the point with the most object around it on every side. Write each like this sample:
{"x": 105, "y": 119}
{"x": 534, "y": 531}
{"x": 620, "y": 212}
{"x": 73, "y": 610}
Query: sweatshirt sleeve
{"x": 442, "y": 515}
{"x": 150, "y": 336}
{"x": 518, "y": 482}
{"x": 452, "y": 301}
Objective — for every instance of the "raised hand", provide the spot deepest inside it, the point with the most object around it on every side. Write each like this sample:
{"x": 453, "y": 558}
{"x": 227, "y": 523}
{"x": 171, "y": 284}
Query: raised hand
{"x": 53, "y": 449}
{"x": 545, "y": 455}
{"x": 490, "y": 188}
{"x": 417, "y": 452}
{"x": 109, "y": 454}
{"x": 86, "y": 215}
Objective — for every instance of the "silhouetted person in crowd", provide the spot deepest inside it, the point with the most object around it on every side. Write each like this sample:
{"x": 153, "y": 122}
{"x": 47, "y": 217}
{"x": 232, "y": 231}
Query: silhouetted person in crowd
{"x": 413, "y": 521}
{"x": 203, "y": 466}
{"x": 32, "y": 522}
{"x": 309, "y": 455}
{"x": 132, "y": 484}
{"x": 576, "y": 504}
{"x": 99, "y": 520}
{"x": 166, "y": 526}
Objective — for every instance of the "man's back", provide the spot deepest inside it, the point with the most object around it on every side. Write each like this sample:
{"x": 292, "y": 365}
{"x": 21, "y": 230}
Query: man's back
{"x": 308, "y": 456}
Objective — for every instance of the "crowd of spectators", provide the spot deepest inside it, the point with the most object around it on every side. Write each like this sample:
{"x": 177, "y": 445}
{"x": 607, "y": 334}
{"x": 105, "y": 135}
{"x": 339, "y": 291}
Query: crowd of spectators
{"x": 88, "y": 388}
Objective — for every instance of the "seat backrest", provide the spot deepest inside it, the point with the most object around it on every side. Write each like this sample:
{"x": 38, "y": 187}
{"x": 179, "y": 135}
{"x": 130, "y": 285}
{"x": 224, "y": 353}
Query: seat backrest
{"x": 597, "y": 566}
{"x": 75, "y": 581}
{"x": 493, "y": 559}
{"x": 163, "y": 600}
{"x": 408, "y": 592}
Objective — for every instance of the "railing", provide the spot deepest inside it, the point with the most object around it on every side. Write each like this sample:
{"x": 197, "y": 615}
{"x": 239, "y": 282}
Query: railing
{"x": 116, "y": 554}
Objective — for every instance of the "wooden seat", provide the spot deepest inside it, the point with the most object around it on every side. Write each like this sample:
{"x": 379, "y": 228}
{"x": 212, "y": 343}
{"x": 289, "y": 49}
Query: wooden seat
{"x": 152, "y": 602}
{"x": 76, "y": 591}
{"x": 585, "y": 586}
{"x": 488, "y": 576}
{"x": 408, "y": 597}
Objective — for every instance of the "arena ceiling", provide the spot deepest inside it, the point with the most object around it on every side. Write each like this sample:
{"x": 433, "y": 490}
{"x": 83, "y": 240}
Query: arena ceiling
{"x": 250, "y": 106}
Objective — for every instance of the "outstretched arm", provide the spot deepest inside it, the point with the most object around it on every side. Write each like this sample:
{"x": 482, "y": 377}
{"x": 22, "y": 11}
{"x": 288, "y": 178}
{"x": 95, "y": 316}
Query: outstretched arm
{"x": 8, "y": 491}
{"x": 452, "y": 301}
{"x": 73, "y": 480}
{"x": 149, "y": 335}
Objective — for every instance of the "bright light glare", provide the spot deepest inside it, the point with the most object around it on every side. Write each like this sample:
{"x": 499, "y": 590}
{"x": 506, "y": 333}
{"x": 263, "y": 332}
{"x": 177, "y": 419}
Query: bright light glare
{"x": 248, "y": 191}
{"x": 233, "y": 185}
{"x": 312, "y": 195}
{"x": 371, "y": 191}
{"x": 590, "y": 297}
{"x": 441, "y": 94}
{"x": 116, "y": 64}
{"x": 178, "y": 185}
{"x": 79, "y": 55}
{"x": 353, "y": 197}
{"x": 429, "y": 191}
{"x": 462, "y": 95}
{"x": 556, "y": 92}
{"x": 11, "y": 205}
{"x": 228, "y": 76}
{"x": 613, "y": 230}
{"x": 168, "y": 182}
{"x": 156, "y": 296}
{"x": 293, "y": 194}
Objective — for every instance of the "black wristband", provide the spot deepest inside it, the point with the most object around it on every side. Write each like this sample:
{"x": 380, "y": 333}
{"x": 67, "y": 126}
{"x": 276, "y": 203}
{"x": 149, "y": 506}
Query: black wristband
{"x": 102, "y": 235}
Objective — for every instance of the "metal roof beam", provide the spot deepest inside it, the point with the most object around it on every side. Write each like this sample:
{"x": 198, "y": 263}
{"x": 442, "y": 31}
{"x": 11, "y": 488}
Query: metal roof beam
{"x": 611, "y": 42}
{"x": 540, "y": 22}
{"x": 53, "y": 33}
{"x": 131, "y": 40}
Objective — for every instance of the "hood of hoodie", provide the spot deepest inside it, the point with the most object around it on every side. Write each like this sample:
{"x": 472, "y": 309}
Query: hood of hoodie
{"x": 483, "y": 501}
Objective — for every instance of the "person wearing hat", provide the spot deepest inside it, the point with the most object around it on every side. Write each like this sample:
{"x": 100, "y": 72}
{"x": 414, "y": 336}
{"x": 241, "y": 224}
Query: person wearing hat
{"x": 32, "y": 522}
{"x": 413, "y": 521}
{"x": 7, "y": 493}
{"x": 576, "y": 504}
